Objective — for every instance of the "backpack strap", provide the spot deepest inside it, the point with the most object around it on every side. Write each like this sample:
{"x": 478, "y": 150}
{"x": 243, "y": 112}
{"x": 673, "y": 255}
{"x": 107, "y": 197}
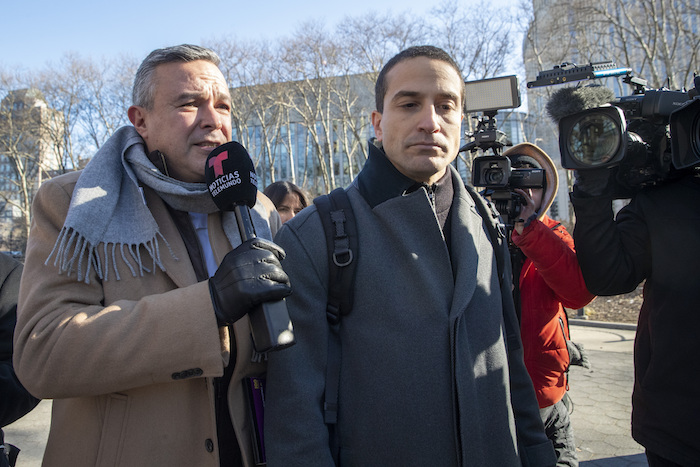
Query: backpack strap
{"x": 340, "y": 229}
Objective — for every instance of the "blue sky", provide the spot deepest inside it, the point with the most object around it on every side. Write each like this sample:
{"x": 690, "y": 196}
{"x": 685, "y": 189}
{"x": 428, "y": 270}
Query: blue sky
{"x": 34, "y": 33}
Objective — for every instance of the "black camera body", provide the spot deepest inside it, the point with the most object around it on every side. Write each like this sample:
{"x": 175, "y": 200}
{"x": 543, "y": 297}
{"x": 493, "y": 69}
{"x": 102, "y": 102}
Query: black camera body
{"x": 495, "y": 172}
{"x": 498, "y": 177}
{"x": 650, "y": 136}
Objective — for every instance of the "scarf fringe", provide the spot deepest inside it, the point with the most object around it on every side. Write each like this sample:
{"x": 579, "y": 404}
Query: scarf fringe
{"x": 73, "y": 253}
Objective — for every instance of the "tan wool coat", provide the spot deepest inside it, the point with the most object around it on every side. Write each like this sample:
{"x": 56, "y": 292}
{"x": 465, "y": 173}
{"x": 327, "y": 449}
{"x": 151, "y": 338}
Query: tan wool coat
{"x": 128, "y": 362}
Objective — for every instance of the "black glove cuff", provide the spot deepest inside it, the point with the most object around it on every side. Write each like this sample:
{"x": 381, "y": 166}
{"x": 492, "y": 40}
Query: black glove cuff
{"x": 221, "y": 320}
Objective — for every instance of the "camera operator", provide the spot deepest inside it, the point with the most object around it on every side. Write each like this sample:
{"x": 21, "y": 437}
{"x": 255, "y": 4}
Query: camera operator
{"x": 549, "y": 280}
{"x": 654, "y": 238}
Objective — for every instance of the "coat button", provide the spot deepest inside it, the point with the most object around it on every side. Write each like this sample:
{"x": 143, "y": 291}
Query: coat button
{"x": 209, "y": 444}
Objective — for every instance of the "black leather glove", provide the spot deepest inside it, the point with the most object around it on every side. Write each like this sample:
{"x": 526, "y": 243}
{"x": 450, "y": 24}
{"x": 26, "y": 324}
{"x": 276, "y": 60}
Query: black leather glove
{"x": 248, "y": 276}
{"x": 593, "y": 182}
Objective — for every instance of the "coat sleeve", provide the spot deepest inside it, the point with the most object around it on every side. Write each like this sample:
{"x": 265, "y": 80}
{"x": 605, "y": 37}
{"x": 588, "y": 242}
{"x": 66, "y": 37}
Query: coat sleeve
{"x": 553, "y": 254}
{"x": 15, "y": 400}
{"x": 70, "y": 343}
{"x": 295, "y": 432}
{"x": 613, "y": 253}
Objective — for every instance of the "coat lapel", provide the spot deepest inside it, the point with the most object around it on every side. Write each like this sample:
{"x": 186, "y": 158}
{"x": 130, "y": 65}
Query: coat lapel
{"x": 467, "y": 238}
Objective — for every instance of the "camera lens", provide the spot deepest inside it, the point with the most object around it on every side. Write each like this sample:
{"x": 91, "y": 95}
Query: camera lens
{"x": 595, "y": 139}
{"x": 494, "y": 176}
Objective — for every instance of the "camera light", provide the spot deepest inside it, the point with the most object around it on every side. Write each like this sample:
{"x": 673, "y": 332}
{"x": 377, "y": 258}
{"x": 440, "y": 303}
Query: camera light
{"x": 491, "y": 94}
{"x": 592, "y": 138}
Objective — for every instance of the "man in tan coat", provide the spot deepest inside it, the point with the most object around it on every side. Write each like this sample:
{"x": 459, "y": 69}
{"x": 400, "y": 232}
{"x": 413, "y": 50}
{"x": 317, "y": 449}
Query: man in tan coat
{"x": 132, "y": 307}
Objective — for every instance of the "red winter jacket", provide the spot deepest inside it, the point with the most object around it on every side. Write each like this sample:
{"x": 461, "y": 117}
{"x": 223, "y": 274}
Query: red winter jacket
{"x": 549, "y": 281}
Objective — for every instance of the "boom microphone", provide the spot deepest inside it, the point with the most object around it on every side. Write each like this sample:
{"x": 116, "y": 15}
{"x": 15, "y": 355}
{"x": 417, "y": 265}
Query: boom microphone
{"x": 571, "y": 100}
{"x": 230, "y": 175}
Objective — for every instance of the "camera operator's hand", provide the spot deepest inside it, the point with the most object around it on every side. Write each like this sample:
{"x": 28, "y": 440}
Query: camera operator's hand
{"x": 528, "y": 212}
{"x": 592, "y": 182}
{"x": 248, "y": 276}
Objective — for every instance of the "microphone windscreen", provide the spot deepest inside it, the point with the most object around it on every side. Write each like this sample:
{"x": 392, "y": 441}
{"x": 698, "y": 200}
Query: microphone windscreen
{"x": 230, "y": 175}
{"x": 571, "y": 100}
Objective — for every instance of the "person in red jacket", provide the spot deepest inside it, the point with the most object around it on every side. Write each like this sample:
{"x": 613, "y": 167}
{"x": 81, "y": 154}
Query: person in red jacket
{"x": 550, "y": 279}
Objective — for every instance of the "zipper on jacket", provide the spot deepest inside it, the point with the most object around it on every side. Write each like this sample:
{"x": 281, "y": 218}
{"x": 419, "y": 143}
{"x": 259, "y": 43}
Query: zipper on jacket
{"x": 431, "y": 195}
{"x": 429, "y": 189}
{"x": 563, "y": 333}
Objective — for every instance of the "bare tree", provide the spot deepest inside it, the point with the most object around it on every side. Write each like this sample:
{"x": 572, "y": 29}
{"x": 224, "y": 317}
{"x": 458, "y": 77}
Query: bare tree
{"x": 256, "y": 114}
{"x": 310, "y": 60}
{"x": 301, "y": 104}
{"x": 24, "y": 118}
{"x": 547, "y": 42}
{"x": 53, "y": 121}
{"x": 353, "y": 103}
{"x": 372, "y": 38}
{"x": 107, "y": 97}
{"x": 657, "y": 38}
{"x": 90, "y": 101}
{"x": 318, "y": 85}
{"x": 480, "y": 43}
{"x": 63, "y": 86}
{"x": 367, "y": 42}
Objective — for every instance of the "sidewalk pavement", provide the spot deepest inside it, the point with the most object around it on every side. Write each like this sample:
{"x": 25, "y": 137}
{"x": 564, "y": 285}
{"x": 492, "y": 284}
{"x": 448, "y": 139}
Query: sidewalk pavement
{"x": 29, "y": 433}
{"x": 601, "y": 397}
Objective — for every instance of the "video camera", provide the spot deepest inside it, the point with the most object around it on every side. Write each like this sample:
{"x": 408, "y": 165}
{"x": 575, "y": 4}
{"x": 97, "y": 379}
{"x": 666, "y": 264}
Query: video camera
{"x": 494, "y": 172}
{"x": 650, "y": 135}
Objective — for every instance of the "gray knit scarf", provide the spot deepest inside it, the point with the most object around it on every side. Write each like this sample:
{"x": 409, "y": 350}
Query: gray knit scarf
{"x": 108, "y": 209}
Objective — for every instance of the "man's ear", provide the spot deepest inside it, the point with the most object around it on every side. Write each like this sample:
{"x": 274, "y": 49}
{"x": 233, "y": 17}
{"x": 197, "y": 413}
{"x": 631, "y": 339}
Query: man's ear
{"x": 137, "y": 117}
{"x": 376, "y": 123}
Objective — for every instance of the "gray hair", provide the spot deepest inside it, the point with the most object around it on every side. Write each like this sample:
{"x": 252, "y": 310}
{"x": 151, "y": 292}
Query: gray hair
{"x": 143, "y": 91}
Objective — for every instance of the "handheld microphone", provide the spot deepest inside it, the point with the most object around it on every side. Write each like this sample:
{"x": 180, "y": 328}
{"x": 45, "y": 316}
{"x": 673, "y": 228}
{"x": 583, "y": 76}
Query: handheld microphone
{"x": 230, "y": 175}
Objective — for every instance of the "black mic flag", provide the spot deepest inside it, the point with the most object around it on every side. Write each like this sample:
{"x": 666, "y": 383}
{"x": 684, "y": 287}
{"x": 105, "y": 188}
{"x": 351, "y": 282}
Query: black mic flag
{"x": 230, "y": 176}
